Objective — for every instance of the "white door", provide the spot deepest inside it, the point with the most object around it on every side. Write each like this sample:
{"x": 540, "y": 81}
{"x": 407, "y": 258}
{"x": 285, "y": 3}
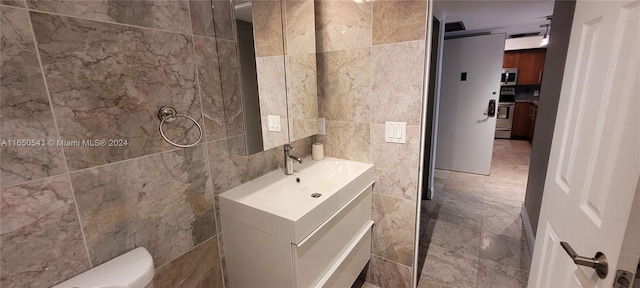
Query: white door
{"x": 594, "y": 166}
{"x": 471, "y": 69}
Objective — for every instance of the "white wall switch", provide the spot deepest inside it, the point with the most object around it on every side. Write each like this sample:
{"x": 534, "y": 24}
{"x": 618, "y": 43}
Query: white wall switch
{"x": 395, "y": 132}
{"x": 274, "y": 123}
{"x": 322, "y": 130}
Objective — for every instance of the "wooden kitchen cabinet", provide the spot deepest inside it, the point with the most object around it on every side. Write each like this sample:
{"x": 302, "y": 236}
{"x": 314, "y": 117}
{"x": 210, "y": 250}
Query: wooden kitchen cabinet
{"x": 520, "y": 125}
{"x": 530, "y": 64}
{"x": 511, "y": 59}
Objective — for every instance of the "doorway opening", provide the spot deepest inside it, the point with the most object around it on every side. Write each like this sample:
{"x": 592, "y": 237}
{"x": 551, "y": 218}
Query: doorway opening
{"x": 471, "y": 230}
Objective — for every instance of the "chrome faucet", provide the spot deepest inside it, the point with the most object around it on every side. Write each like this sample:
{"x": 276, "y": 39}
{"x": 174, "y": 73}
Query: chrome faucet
{"x": 288, "y": 159}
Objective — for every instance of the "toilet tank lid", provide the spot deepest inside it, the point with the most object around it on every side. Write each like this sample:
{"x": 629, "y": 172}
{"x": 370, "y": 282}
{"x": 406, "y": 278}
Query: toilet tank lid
{"x": 133, "y": 269}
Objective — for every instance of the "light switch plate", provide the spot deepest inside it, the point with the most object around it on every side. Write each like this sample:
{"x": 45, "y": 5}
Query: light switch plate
{"x": 395, "y": 132}
{"x": 274, "y": 123}
{"x": 322, "y": 130}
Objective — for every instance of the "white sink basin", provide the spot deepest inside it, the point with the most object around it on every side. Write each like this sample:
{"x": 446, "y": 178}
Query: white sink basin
{"x": 282, "y": 206}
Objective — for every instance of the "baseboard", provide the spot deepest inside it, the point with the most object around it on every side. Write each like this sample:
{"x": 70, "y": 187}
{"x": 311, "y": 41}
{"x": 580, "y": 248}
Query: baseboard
{"x": 528, "y": 230}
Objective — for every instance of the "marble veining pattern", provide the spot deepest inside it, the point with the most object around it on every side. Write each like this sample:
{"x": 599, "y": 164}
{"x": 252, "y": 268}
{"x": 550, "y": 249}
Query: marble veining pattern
{"x": 273, "y": 99}
{"x": 107, "y": 81}
{"x": 393, "y": 233}
{"x": 502, "y": 219}
{"x": 399, "y": 21}
{"x": 302, "y": 98}
{"x": 492, "y": 274}
{"x": 396, "y": 172}
{"x": 505, "y": 250}
{"x": 342, "y": 25}
{"x": 210, "y": 88}
{"x": 473, "y": 226}
{"x": 223, "y": 19}
{"x": 230, "y": 170}
{"x": 300, "y": 36}
{"x": 396, "y": 88}
{"x": 267, "y": 28}
{"x": 454, "y": 237}
{"x": 122, "y": 75}
{"x": 230, "y": 88}
{"x": 17, "y": 3}
{"x": 24, "y": 106}
{"x": 344, "y": 83}
{"x": 41, "y": 237}
{"x": 454, "y": 270}
{"x": 163, "y": 202}
{"x": 362, "y": 84}
{"x": 163, "y": 15}
{"x": 347, "y": 140}
{"x": 202, "y": 17}
{"x": 385, "y": 273}
{"x": 199, "y": 267}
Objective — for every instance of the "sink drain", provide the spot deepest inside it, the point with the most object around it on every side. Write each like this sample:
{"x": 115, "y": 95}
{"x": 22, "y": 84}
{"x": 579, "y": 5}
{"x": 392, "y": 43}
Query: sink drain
{"x": 316, "y": 195}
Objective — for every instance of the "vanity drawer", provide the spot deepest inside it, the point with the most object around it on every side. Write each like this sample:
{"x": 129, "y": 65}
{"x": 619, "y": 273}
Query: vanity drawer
{"x": 314, "y": 256}
{"x": 348, "y": 268}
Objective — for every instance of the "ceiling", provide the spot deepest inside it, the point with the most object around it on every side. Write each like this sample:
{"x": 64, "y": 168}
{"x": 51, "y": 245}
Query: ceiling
{"x": 505, "y": 16}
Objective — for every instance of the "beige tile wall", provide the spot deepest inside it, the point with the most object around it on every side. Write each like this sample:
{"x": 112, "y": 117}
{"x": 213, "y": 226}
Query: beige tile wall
{"x": 106, "y": 80}
{"x": 101, "y": 70}
{"x": 370, "y": 70}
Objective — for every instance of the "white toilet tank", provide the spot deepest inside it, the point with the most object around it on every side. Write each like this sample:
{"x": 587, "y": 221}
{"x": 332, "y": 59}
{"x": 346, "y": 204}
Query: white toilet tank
{"x": 133, "y": 269}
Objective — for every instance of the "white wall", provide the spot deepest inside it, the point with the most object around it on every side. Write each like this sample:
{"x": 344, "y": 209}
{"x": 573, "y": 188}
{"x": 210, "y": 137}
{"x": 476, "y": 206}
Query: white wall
{"x": 523, "y": 43}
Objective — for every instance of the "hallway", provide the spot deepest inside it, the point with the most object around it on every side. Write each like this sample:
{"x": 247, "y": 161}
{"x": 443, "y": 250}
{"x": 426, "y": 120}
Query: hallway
{"x": 472, "y": 232}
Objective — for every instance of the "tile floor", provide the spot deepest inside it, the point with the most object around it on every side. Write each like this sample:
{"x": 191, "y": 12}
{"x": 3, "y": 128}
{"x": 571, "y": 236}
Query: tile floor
{"x": 471, "y": 233}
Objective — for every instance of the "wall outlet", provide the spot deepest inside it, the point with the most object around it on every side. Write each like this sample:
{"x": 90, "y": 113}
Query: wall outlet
{"x": 322, "y": 129}
{"x": 395, "y": 132}
{"x": 274, "y": 123}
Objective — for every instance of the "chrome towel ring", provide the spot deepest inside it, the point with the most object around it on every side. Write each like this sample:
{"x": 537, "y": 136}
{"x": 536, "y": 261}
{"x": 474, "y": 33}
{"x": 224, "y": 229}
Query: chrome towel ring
{"x": 168, "y": 114}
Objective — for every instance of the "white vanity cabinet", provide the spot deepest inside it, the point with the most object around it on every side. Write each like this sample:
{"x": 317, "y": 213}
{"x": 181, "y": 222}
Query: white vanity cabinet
{"x": 333, "y": 255}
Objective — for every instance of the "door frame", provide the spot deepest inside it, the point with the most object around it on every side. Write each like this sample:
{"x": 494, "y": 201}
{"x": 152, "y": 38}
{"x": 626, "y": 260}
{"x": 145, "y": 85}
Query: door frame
{"x": 433, "y": 12}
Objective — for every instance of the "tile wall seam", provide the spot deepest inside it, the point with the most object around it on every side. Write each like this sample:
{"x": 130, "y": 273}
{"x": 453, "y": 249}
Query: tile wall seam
{"x": 55, "y": 124}
{"x": 220, "y": 256}
{"x": 369, "y": 94}
{"x": 419, "y": 41}
{"x": 225, "y": 40}
{"x": 193, "y": 248}
{"x": 389, "y": 260}
{"x": 351, "y": 122}
{"x": 134, "y": 158}
{"x": 394, "y": 197}
{"x": 106, "y": 22}
{"x": 207, "y": 37}
{"x": 10, "y": 6}
{"x": 343, "y": 49}
{"x": 195, "y": 63}
{"x": 206, "y": 148}
{"x": 33, "y": 181}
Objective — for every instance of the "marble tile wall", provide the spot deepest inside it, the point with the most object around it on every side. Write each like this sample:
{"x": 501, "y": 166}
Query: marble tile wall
{"x": 285, "y": 49}
{"x": 300, "y": 50}
{"x": 270, "y": 69}
{"x": 74, "y": 70}
{"x": 370, "y": 70}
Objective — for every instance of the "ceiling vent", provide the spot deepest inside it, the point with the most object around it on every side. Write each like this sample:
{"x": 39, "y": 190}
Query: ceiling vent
{"x": 454, "y": 27}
